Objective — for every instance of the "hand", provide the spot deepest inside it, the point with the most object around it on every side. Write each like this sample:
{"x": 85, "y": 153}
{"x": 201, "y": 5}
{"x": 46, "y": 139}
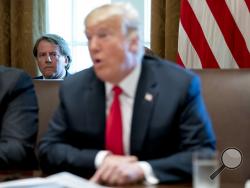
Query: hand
{"x": 118, "y": 170}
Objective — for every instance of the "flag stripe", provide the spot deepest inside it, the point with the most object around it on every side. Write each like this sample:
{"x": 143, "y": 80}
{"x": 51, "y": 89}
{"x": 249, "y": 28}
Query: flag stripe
{"x": 248, "y": 4}
{"x": 241, "y": 16}
{"x": 213, "y": 34}
{"x": 179, "y": 60}
{"x": 186, "y": 51}
{"x": 194, "y": 31}
{"x": 231, "y": 32}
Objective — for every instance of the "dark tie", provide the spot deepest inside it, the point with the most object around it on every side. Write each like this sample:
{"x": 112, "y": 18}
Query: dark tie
{"x": 114, "y": 142}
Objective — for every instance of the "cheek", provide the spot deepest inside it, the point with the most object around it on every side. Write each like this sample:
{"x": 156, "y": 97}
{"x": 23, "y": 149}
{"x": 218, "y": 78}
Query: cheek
{"x": 41, "y": 65}
{"x": 117, "y": 52}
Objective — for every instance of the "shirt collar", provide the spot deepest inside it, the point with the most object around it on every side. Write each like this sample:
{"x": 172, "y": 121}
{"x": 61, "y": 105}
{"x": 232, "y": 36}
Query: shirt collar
{"x": 61, "y": 77}
{"x": 128, "y": 84}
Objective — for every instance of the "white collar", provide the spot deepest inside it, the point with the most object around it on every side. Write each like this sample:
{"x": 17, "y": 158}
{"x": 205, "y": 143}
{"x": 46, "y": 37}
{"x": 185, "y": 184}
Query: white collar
{"x": 128, "y": 84}
{"x": 60, "y": 78}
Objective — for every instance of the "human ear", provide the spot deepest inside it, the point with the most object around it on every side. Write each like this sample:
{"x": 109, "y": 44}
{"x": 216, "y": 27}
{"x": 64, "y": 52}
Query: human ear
{"x": 65, "y": 61}
{"x": 133, "y": 42}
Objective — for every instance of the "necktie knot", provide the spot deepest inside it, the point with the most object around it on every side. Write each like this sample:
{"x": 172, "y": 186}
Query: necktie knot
{"x": 117, "y": 90}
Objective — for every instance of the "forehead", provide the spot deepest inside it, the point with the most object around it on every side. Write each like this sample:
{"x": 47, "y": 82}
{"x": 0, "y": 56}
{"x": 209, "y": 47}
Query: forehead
{"x": 104, "y": 21}
{"x": 47, "y": 45}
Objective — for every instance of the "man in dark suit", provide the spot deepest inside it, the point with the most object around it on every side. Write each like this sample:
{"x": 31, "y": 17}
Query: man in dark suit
{"x": 162, "y": 112}
{"x": 53, "y": 57}
{"x": 18, "y": 120}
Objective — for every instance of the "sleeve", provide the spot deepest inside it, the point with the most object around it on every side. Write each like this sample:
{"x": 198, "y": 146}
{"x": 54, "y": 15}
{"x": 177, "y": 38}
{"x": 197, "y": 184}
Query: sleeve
{"x": 150, "y": 178}
{"x": 56, "y": 150}
{"x": 195, "y": 132}
{"x": 19, "y": 124}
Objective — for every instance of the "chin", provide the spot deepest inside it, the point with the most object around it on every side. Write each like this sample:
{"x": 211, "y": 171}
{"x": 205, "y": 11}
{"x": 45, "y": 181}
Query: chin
{"x": 48, "y": 76}
{"x": 105, "y": 77}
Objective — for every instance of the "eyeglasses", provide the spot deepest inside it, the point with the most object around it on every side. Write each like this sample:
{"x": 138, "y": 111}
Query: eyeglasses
{"x": 44, "y": 56}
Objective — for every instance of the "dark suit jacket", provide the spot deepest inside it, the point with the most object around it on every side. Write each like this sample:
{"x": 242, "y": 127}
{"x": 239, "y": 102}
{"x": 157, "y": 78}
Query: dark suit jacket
{"x": 164, "y": 131}
{"x": 41, "y": 77}
{"x": 18, "y": 120}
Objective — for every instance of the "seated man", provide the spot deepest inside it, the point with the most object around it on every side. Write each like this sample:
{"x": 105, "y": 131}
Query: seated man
{"x": 53, "y": 57}
{"x": 18, "y": 120}
{"x": 130, "y": 118}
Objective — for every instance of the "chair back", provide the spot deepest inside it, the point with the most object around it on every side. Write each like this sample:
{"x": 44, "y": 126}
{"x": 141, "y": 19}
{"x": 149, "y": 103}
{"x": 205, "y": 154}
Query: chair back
{"x": 227, "y": 97}
{"x": 48, "y": 99}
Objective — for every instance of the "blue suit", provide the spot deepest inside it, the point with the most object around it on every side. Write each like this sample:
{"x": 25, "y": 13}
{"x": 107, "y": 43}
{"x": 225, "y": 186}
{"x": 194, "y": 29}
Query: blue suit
{"x": 164, "y": 132}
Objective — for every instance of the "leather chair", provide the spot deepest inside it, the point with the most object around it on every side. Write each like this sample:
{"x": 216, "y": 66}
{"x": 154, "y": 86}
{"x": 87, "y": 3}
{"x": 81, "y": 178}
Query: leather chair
{"x": 227, "y": 96}
{"x": 48, "y": 99}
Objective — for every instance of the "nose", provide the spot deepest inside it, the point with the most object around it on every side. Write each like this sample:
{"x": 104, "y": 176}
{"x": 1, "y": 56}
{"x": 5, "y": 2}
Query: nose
{"x": 93, "y": 44}
{"x": 48, "y": 59}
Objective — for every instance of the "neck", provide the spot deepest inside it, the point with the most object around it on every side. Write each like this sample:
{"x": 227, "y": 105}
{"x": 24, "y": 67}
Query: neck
{"x": 57, "y": 76}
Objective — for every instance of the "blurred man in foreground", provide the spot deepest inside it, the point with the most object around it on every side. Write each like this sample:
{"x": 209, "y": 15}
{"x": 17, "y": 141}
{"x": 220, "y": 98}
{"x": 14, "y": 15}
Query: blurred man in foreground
{"x": 130, "y": 118}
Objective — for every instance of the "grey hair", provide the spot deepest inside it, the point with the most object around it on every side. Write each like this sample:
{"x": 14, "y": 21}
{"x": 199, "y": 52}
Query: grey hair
{"x": 57, "y": 40}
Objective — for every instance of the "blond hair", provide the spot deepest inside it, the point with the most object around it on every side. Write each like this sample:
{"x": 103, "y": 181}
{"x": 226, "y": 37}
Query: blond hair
{"x": 127, "y": 13}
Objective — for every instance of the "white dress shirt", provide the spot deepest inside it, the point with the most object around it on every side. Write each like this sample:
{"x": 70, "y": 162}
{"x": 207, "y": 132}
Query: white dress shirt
{"x": 60, "y": 78}
{"x": 129, "y": 88}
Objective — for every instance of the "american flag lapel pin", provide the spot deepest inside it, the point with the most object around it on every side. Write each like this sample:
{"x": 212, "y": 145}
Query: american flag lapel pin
{"x": 148, "y": 97}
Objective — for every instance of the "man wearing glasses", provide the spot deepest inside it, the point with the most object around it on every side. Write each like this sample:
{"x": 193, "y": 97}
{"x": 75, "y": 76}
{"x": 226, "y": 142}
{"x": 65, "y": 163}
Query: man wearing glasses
{"x": 53, "y": 57}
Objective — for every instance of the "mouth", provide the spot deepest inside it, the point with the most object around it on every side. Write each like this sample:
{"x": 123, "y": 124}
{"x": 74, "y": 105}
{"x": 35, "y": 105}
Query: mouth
{"x": 97, "y": 61}
{"x": 48, "y": 68}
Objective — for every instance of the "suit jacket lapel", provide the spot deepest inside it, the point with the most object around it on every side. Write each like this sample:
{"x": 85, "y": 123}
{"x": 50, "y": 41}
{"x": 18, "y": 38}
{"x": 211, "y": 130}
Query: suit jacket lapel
{"x": 145, "y": 99}
{"x": 95, "y": 100}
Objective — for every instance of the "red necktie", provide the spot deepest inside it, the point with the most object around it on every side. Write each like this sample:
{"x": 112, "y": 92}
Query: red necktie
{"x": 114, "y": 142}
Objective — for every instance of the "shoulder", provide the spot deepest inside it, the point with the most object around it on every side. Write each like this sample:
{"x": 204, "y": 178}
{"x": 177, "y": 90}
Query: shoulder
{"x": 171, "y": 78}
{"x": 14, "y": 80}
{"x": 4, "y": 71}
{"x": 81, "y": 77}
{"x": 166, "y": 70}
{"x": 9, "y": 75}
{"x": 78, "y": 81}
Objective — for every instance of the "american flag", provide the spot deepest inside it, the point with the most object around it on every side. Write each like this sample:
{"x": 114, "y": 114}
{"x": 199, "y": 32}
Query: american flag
{"x": 214, "y": 34}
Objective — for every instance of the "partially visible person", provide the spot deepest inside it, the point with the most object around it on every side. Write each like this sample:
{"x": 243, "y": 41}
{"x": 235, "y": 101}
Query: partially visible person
{"x": 131, "y": 118}
{"x": 53, "y": 56}
{"x": 148, "y": 51}
{"x": 18, "y": 120}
